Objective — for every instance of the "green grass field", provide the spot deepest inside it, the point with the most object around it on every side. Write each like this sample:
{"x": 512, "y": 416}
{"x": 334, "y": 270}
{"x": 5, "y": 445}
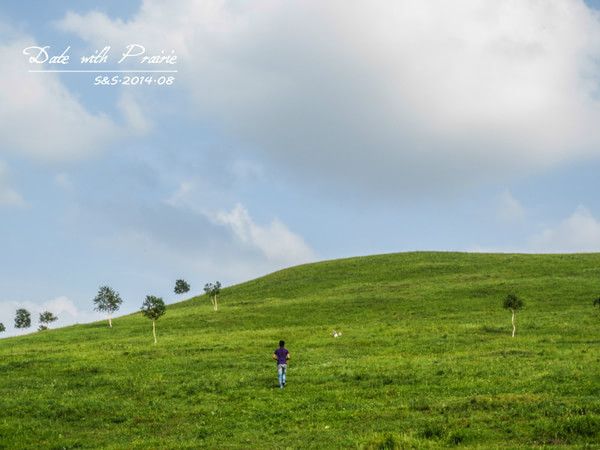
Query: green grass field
{"x": 426, "y": 360}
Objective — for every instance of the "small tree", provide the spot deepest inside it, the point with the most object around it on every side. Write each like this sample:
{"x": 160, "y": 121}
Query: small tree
{"x": 597, "y": 302}
{"x": 107, "y": 301}
{"x": 45, "y": 319}
{"x": 22, "y": 318}
{"x": 2, "y": 328}
{"x": 213, "y": 290}
{"x": 181, "y": 287}
{"x": 513, "y": 303}
{"x": 153, "y": 307}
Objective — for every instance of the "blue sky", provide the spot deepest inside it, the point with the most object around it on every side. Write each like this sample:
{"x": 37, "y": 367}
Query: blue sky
{"x": 294, "y": 132}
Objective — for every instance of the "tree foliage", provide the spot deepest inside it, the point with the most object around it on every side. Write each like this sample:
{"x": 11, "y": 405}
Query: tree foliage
{"x": 153, "y": 307}
{"x": 181, "y": 287}
{"x": 46, "y": 318}
{"x": 22, "y": 318}
{"x": 107, "y": 301}
{"x": 2, "y": 327}
{"x": 513, "y": 302}
{"x": 597, "y": 302}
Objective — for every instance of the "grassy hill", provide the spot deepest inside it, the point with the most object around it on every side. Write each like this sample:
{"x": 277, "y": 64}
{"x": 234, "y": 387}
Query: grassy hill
{"x": 426, "y": 360}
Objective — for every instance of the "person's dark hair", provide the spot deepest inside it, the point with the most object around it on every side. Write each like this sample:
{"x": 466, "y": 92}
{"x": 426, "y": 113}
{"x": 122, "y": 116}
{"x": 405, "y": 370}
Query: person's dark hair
{"x": 281, "y": 343}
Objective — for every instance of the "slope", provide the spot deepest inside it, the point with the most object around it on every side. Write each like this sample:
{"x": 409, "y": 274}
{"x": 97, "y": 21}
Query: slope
{"x": 425, "y": 361}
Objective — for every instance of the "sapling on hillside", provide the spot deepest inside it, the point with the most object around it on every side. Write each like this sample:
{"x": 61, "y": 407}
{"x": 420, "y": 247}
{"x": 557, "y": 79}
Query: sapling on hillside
{"x": 597, "y": 302}
{"x": 181, "y": 287}
{"x": 513, "y": 303}
{"x": 213, "y": 290}
{"x": 153, "y": 308}
{"x": 107, "y": 301}
{"x": 45, "y": 319}
{"x": 22, "y": 318}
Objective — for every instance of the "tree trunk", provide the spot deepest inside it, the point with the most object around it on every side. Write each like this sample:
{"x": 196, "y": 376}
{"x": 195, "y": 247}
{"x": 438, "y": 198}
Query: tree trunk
{"x": 216, "y": 304}
{"x": 154, "y": 330}
{"x": 513, "y": 322}
{"x": 110, "y": 321}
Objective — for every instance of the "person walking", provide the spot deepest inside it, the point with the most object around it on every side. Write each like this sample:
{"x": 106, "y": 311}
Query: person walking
{"x": 281, "y": 355}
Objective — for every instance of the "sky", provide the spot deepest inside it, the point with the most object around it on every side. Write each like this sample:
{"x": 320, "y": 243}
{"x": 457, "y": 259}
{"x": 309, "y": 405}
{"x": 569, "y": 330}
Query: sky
{"x": 292, "y": 132}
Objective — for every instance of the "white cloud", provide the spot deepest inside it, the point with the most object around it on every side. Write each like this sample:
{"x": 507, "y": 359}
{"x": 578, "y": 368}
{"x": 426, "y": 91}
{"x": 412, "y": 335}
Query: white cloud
{"x": 40, "y": 117}
{"x": 135, "y": 118}
{"x": 8, "y": 196}
{"x": 62, "y": 307}
{"x": 580, "y": 232}
{"x": 276, "y": 244}
{"x": 275, "y": 241}
{"x": 216, "y": 259}
{"x": 509, "y": 209}
{"x": 180, "y": 196}
{"x": 414, "y": 95}
{"x": 198, "y": 196}
{"x": 185, "y": 234}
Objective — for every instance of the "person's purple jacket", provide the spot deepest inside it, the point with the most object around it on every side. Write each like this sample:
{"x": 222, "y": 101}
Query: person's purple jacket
{"x": 282, "y": 355}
